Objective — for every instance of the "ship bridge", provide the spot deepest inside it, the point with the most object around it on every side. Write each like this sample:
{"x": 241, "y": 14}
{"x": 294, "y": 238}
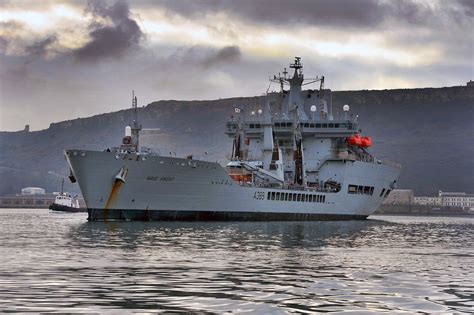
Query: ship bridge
{"x": 334, "y": 128}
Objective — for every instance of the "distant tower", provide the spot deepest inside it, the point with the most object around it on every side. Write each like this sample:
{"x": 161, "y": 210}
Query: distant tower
{"x": 27, "y": 128}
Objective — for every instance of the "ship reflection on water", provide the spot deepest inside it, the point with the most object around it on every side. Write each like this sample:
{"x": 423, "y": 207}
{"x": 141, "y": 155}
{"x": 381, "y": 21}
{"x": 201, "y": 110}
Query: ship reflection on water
{"x": 390, "y": 264}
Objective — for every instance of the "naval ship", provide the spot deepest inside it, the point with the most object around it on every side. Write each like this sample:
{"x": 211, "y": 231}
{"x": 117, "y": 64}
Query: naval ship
{"x": 291, "y": 159}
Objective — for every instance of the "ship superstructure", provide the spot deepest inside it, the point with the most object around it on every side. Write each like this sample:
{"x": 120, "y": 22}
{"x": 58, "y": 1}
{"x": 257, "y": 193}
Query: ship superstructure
{"x": 291, "y": 159}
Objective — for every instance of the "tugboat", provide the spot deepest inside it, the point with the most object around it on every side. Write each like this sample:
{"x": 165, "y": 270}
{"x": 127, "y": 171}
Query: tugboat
{"x": 291, "y": 160}
{"x": 65, "y": 202}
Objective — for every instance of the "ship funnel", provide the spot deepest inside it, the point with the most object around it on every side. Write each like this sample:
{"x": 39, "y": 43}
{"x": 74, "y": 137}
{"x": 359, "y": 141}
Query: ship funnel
{"x": 128, "y": 131}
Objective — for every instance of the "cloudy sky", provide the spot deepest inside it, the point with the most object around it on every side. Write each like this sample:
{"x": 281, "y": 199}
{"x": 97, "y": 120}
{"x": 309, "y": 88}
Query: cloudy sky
{"x": 67, "y": 59}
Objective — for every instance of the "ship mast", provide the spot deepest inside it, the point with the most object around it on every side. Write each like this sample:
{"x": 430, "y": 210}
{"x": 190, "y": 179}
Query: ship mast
{"x": 135, "y": 126}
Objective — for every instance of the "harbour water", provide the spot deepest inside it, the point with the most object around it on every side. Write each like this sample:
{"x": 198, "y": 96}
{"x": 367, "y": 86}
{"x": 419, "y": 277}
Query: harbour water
{"x": 60, "y": 262}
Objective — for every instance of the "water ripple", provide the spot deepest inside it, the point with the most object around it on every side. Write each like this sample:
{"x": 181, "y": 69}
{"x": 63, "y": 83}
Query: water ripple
{"x": 51, "y": 262}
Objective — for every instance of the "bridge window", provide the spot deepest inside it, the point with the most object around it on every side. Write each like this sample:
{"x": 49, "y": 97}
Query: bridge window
{"x": 388, "y": 192}
{"x": 381, "y": 193}
{"x": 352, "y": 189}
{"x": 365, "y": 190}
{"x": 318, "y": 125}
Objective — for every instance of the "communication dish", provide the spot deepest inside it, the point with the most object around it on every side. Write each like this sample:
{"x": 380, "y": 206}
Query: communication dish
{"x": 345, "y": 108}
{"x": 313, "y": 108}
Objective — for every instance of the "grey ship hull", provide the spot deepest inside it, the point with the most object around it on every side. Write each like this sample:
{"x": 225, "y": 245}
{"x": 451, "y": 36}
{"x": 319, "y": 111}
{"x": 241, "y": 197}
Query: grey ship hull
{"x": 165, "y": 188}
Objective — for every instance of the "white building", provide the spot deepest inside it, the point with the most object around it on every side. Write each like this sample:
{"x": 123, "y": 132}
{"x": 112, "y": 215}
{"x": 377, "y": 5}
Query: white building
{"x": 457, "y": 199}
{"x": 448, "y": 199}
{"x": 33, "y": 191}
{"x": 427, "y": 201}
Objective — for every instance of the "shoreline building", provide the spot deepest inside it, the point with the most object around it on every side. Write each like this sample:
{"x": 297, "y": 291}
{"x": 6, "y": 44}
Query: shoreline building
{"x": 404, "y": 201}
{"x": 448, "y": 199}
{"x": 457, "y": 199}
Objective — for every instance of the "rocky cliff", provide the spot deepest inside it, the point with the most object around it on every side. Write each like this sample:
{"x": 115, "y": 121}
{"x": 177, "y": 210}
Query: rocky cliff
{"x": 429, "y": 131}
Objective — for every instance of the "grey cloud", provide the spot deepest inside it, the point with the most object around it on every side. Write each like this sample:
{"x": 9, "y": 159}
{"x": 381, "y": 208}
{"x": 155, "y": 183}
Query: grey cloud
{"x": 340, "y": 13}
{"x": 109, "y": 40}
{"x": 229, "y": 54}
{"x": 199, "y": 57}
{"x": 40, "y": 48}
{"x": 11, "y": 36}
{"x": 9, "y": 31}
{"x": 467, "y": 6}
{"x": 3, "y": 44}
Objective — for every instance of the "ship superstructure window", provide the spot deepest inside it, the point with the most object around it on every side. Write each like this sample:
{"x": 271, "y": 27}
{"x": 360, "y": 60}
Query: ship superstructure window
{"x": 388, "y": 192}
{"x": 361, "y": 190}
{"x": 381, "y": 193}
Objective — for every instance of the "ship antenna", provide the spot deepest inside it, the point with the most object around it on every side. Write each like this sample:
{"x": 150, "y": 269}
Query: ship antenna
{"x": 134, "y": 106}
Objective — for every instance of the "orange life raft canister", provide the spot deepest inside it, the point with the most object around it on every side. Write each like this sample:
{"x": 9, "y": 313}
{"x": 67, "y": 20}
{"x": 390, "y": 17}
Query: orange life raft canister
{"x": 354, "y": 140}
{"x": 365, "y": 142}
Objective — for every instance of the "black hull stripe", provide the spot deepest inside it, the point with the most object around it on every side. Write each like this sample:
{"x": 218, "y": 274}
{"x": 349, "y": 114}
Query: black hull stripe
{"x": 57, "y": 207}
{"x": 165, "y": 215}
